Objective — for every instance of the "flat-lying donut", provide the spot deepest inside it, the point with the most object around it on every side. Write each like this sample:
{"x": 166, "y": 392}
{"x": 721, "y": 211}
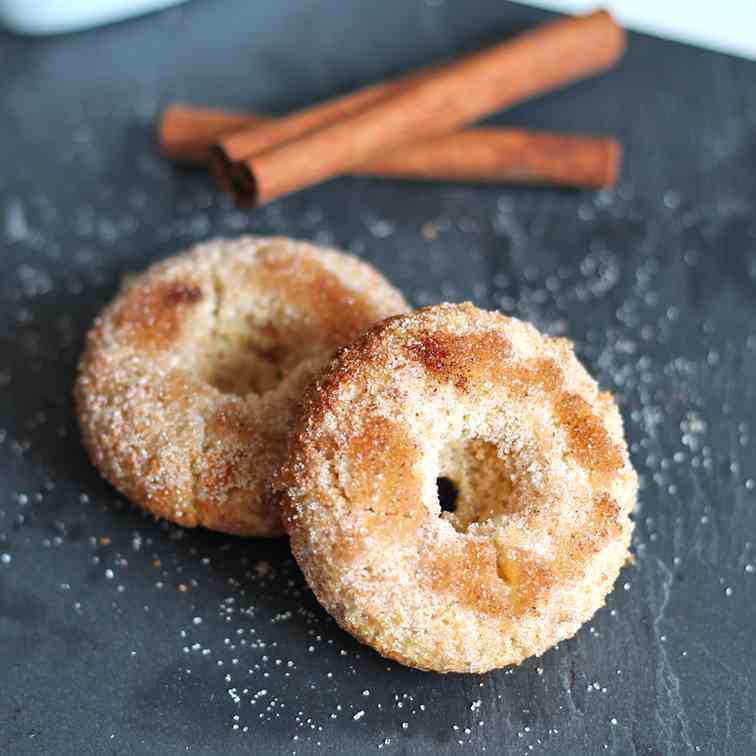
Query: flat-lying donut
{"x": 545, "y": 487}
{"x": 189, "y": 378}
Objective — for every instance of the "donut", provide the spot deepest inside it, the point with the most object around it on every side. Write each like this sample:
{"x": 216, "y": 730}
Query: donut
{"x": 189, "y": 379}
{"x": 540, "y": 527}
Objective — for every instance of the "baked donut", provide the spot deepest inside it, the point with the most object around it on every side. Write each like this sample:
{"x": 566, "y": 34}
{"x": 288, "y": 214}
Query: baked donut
{"x": 541, "y": 468}
{"x": 189, "y": 378}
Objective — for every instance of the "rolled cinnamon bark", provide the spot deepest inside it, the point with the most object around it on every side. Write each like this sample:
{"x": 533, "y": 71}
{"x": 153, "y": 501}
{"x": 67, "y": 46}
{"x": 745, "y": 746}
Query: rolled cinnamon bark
{"x": 440, "y": 102}
{"x": 249, "y": 141}
{"x": 506, "y": 156}
{"x": 187, "y": 132}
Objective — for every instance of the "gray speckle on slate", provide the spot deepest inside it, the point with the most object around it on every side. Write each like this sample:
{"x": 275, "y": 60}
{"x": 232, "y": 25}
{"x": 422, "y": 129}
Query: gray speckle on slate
{"x": 119, "y": 635}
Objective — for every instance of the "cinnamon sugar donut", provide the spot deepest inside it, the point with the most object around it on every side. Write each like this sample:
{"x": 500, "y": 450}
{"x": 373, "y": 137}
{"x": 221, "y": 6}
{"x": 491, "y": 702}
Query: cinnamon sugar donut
{"x": 536, "y": 452}
{"x": 189, "y": 378}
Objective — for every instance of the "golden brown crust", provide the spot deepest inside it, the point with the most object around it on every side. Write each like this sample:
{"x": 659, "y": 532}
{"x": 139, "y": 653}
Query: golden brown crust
{"x": 150, "y": 317}
{"x": 190, "y": 377}
{"x": 541, "y": 527}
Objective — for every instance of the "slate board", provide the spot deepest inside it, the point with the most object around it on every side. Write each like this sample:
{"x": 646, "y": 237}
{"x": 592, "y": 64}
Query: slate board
{"x": 103, "y": 651}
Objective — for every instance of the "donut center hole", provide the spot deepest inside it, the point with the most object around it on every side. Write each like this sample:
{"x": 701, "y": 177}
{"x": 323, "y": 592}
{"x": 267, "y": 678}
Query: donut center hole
{"x": 243, "y": 357}
{"x": 251, "y": 341}
{"x": 240, "y": 369}
{"x": 447, "y": 494}
{"x": 475, "y": 483}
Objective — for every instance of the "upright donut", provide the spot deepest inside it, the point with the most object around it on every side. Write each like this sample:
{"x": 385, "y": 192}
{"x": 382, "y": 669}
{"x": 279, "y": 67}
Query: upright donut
{"x": 189, "y": 378}
{"x": 536, "y": 452}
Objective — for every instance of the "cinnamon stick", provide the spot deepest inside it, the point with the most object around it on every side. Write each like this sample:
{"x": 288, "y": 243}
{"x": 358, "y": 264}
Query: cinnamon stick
{"x": 440, "y": 102}
{"x": 511, "y": 156}
{"x": 249, "y": 141}
{"x": 187, "y": 132}
{"x": 237, "y": 146}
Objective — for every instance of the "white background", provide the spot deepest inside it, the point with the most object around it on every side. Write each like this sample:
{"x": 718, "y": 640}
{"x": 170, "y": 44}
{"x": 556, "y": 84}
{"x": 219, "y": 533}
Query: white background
{"x": 726, "y": 25}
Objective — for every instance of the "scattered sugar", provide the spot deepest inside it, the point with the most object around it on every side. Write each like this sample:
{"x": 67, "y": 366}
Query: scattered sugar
{"x": 16, "y": 226}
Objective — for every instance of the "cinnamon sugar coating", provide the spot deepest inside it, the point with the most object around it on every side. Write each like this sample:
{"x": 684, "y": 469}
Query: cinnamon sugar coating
{"x": 189, "y": 378}
{"x": 536, "y": 452}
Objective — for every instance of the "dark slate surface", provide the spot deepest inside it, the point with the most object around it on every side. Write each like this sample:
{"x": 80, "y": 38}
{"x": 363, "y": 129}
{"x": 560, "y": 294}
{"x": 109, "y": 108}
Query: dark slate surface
{"x": 119, "y": 635}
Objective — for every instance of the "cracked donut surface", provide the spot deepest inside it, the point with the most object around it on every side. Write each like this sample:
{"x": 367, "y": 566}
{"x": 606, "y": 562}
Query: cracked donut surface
{"x": 535, "y": 451}
{"x": 189, "y": 379}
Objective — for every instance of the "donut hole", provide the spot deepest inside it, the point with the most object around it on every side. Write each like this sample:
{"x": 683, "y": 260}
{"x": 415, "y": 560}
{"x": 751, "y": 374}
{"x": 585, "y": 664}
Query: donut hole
{"x": 482, "y": 480}
{"x": 447, "y": 494}
{"x": 241, "y": 370}
{"x": 243, "y": 357}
